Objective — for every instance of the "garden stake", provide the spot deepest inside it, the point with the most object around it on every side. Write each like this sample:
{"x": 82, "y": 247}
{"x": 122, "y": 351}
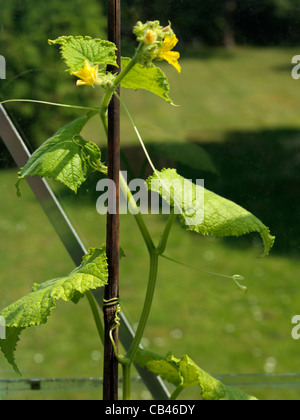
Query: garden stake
{"x": 110, "y": 374}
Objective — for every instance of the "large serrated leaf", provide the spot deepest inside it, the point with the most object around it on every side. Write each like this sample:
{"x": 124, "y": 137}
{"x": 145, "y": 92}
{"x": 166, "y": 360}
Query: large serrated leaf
{"x": 76, "y": 49}
{"x": 35, "y": 308}
{"x": 150, "y": 78}
{"x": 160, "y": 366}
{"x": 184, "y": 373}
{"x": 205, "y": 212}
{"x": 65, "y": 157}
{"x": 8, "y": 346}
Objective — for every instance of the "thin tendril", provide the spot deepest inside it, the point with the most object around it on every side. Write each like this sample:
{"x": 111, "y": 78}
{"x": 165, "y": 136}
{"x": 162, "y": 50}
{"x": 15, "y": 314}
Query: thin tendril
{"x": 146, "y": 152}
{"x": 137, "y": 133}
{"x": 117, "y": 321}
{"x": 49, "y": 103}
{"x": 236, "y": 277}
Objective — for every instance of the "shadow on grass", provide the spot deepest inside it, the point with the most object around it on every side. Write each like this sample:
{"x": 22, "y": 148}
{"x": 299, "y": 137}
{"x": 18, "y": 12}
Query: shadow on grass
{"x": 260, "y": 170}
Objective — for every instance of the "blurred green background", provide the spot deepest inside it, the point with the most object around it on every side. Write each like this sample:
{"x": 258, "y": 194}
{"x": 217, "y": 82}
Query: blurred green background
{"x": 237, "y": 126}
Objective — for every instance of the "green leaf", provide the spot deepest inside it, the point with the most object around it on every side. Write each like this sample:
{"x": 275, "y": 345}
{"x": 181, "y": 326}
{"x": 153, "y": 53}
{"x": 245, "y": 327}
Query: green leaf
{"x": 35, "y": 308}
{"x": 205, "y": 212}
{"x": 8, "y": 346}
{"x": 149, "y": 78}
{"x": 184, "y": 373}
{"x": 65, "y": 157}
{"x": 75, "y": 50}
{"x": 160, "y": 366}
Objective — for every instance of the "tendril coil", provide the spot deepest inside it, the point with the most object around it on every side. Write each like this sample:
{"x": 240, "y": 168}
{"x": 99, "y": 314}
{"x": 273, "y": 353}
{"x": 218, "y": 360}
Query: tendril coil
{"x": 117, "y": 320}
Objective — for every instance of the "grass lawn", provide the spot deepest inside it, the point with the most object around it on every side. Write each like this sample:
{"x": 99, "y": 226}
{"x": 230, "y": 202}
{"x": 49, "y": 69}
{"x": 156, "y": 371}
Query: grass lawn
{"x": 194, "y": 312}
{"x": 217, "y": 92}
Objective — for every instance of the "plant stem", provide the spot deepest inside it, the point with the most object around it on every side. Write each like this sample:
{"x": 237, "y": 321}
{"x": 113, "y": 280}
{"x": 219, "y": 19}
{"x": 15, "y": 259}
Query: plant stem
{"x": 96, "y": 315}
{"x": 126, "y": 381}
{"x": 147, "y": 307}
{"x": 109, "y": 93}
{"x": 176, "y": 393}
{"x": 165, "y": 236}
{"x": 137, "y": 215}
{"x": 154, "y": 255}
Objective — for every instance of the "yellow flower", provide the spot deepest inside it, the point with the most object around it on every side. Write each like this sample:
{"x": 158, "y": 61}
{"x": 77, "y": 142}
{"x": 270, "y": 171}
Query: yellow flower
{"x": 150, "y": 37}
{"x": 88, "y": 75}
{"x": 165, "y": 52}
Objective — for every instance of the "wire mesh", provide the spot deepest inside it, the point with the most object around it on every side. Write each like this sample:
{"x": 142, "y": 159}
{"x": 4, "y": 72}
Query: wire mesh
{"x": 56, "y": 384}
{"x": 271, "y": 380}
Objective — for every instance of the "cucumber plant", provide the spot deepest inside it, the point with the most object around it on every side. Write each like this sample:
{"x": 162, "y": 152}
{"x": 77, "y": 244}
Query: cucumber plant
{"x": 69, "y": 158}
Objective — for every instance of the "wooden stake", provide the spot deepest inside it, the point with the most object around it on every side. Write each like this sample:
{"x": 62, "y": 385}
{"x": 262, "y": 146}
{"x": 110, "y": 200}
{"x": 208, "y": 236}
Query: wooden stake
{"x": 110, "y": 374}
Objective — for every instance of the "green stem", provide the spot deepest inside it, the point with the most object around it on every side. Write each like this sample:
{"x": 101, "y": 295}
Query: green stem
{"x": 154, "y": 255}
{"x": 176, "y": 393}
{"x": 165, "y": 236}
{"x": 126, "y": 381}
{"x": 110, "y": 91}
{"x": 96, "y": 315}
{"x": 147, "y": 307}
{"x": 137, "y": 215}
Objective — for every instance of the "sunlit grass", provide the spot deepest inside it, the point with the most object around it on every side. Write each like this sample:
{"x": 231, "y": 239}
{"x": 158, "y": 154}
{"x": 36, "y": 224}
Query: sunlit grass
{"x": 247, "y": 89}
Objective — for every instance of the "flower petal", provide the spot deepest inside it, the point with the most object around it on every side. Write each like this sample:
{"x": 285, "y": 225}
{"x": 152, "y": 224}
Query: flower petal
{"x": 88, "y": 74}
{"x": 80, "y": 82}
{"x": 165, "y": 52}
{"x": 170, "y": 42}
{"x": 172, "y": 58}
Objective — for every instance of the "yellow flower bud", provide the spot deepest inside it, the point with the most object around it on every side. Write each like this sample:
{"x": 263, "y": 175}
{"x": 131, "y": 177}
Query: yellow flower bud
{"x": 167, "y": 29}
{"x": 150, "y": 37}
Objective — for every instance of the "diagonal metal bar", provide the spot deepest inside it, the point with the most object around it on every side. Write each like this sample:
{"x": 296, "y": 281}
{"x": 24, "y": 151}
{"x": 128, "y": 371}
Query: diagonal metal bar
{"x": 68, "y": 235}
